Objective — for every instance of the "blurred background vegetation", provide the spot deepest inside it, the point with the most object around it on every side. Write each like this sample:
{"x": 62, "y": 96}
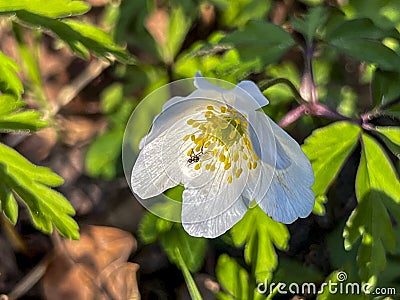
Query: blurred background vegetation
{"x": 72, "y": 72}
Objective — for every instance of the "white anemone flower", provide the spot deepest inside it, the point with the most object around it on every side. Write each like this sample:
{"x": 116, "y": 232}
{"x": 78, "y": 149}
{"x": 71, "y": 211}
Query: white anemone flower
{"x": 228, "y": 155}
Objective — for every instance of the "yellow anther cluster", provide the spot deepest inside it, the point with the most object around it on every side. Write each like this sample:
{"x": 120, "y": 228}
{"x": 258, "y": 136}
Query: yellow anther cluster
{"x": 221, "y": 138}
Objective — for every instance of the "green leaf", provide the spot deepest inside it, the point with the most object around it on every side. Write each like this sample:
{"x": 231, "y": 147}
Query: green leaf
{"x": 385, "y": 87}
{"x": 52, "y": 9}
{"x": 9, "y": 81}
{"x": 8, "y": 203}
{"x": 178, "y": 26}
{"x": 233, "y": 279}
{"x": 313, "y": 20}
{"x": 103, "y": 156}
{"x": 391, "y": 137}
{"x": 238, "y": 13}
{"x": 392, "y": 133}
{"x": 30, "y": 61}
{"x": 80, "y": 37}
{"x": 327, "y": 148}
{"x": 370, "y": 51}
{"x": 260, "y": 41}
{"x": 31, "y": 183}
{"x": 152, "y": 227}
{"x": 191, "y": 248}
{"x": 8, "y": 104}
{"x": 357, "y": 29}
{"x": 12, "y": 118}
{"x": 361, "y": 39}
{"x": 291, "y": 270}
{"x": 171, "y": 235}
{"x": 260, "y": 234}
{"x": 332, "y": 283}
{"x": 376, "y": 188}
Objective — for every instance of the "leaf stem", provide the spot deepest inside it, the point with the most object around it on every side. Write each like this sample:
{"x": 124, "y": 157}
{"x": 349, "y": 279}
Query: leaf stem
{"x": 265, "y": 84}
{"x": 191, "y": 285}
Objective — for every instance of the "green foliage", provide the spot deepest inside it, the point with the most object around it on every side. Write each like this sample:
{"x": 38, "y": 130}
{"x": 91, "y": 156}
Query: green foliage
{"x": 234, "y": 280}
{"x": 327, "y": 148}
{"x": 9, "y": 81}
{"x": 253, "y": 44}
{"x": 384, "y": 87}
{"x": 52, "y": 9}
{"x": 260, "y": 234}
{"x": 315, "y": 18}
{"x": 362, "y": 40}
{"x": 238, "y": 13}
{"x": 350, "y": 48}
{"x": 377, "y": 189}
{"x": 21, "y": 180}
{"x": 172, "y": 236}
{"x": 12, "y": 117}
{"x": 32, "y": 185}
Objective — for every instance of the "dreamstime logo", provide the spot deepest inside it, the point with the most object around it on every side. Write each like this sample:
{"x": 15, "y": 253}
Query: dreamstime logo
{"x": 339, "y": 286}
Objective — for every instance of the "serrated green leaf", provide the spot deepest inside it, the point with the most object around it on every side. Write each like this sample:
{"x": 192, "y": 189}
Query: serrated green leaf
{"x": 9, "y": 81}
{"x": 233, "y": 279}
{"x": 385, "y": 87}
{"x": 52, "y": 9}
{"x": 238, "y": 13}
{"x": 192, "y": 249}
{"x": 392, "y": 133}
{"x": 8, "y": 203}
{"x": 79, "y": 36}
{"x": 9, "y": 104}
{"x": 314, "y": 19}
{"x": 260, "y": 234}
{"x": 376, "y": 172}
{"x": 46, "y": 206}
{"x": 22, "y": 120}
{"x": 260, "y": 41}
{"x": 376, "y": 185}
{"x": 99, "y": 42}
{"x": 332, "y": 284}
{"x": 102, "y": 158}
{"x": 391, "y": 137}
{"x": 20, "y": 164}
{"x": 327, "y": 148}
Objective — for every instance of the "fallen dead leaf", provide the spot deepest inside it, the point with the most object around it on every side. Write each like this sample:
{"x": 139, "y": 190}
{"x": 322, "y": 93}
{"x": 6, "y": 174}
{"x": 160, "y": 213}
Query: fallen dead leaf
{"x": 93, "y": 267}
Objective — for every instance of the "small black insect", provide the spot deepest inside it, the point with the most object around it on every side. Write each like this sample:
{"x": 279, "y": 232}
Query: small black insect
{"x": 195, "y": 157}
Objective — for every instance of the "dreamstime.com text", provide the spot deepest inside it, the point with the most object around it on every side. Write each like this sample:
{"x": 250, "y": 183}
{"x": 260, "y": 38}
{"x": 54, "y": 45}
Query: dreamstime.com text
{"x": 340, "y": 287}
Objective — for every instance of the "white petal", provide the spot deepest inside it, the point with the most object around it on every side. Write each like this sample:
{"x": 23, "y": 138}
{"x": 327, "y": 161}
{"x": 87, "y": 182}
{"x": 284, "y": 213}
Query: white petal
{"x": 218, "y": 225}
{"x": 264, "y": 145}
{"x": 178, "y": 110}
{"x": 203, "y": 84}
{"x": 289, "y": 196}
{"x": 253, "y": 90}
{"x": 151, "y": 172}
{"x": 214, "y": 208}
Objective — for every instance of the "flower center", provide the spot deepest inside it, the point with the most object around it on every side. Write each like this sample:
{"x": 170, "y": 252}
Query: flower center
{"x": 221, "y": 141}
